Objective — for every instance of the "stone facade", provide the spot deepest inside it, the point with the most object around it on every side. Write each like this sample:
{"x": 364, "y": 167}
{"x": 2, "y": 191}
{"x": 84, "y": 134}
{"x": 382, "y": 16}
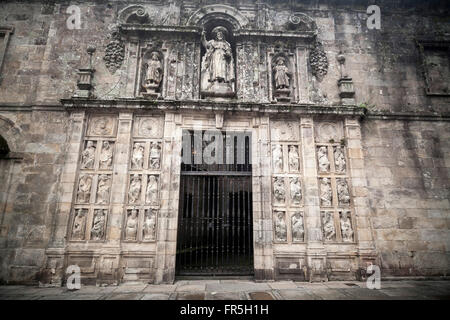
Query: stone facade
{"x": 350, "y": 134}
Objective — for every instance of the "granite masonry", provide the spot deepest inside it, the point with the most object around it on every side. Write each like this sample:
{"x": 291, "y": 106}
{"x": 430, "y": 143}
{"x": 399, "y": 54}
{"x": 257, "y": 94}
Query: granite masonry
{"x": 349, "y": 136}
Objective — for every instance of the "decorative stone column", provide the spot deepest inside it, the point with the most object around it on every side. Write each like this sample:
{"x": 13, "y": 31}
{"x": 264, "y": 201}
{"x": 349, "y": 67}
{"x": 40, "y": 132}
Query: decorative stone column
{"x": 54, "y": 267}
{"x": 316, "y": 254}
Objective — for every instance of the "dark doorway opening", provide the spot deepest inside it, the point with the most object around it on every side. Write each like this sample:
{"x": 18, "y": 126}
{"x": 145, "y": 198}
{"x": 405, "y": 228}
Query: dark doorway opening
{"x": 215, "y": 224}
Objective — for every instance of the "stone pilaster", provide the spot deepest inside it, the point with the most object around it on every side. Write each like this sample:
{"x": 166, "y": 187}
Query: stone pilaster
{"x": 315, "y": 251}
{"x": 366, "y": 245}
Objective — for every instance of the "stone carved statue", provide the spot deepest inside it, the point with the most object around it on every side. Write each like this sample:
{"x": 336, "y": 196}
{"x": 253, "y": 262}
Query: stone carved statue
{"x": 84, "y": 188}
{"x": 106, "y": 156}
{"x": 218, "y": 64}
{"x": 346, "y": 227}
{"x": 153, "y": 74}
{"x": 296, "y": 191}
{"x": 342, "y": 192}
{"x": 279, "y": 190}
{"x": 294, "y": 159}
{"x": 155, "y": 155}
{"x": 325, "y": 192}
{"x": 149, "y": 224}
{"x": 79, "y": 224}
{"x": 152, "y": 190}
{"x": 88, "y": 156}
{"x": 281, "y": 74}
{"x": 104, "y": 185}
{"x": 277, "y": 156}
{"x": 339, "y": 160}
{"x": 132, "y": 225}
{"x": 324, "y": 163}
{"x": 98, "y": 226}
{"x": 329, "y": 231}
{"x": 137, "y": 159}
{"x": 135, "y": 189}
{"x": 280, "y": 226}
{"x": 298, "y": 227}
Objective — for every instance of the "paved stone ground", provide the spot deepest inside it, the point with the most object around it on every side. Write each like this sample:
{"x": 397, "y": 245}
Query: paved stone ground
{"x": 239, "y": 290}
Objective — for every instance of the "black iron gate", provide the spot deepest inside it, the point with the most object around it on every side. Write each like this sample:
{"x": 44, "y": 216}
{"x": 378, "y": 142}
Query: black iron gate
{"x": 215, "y": 229}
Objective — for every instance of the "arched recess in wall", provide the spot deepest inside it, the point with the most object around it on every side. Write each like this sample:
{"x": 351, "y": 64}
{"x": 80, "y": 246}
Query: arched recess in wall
{"x": 12, "y": 136}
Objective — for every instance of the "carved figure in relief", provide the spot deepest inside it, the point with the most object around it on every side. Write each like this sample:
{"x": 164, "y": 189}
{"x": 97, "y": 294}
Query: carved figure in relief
{"x": 84, "y": 188}
{"x": 294, "y": 159}
{"x": 281, "y": 74}
{"x": 280, "y": 226}
{"x": 154, "y": 74}
{"x": 339, "y": 160}
{"x": 324, "y": 163}
{"x": 106, "y": 156}
{"x": 279, "y": 190}
{"x": 88, "y": 156}
{"x": 328, "y": 226}
{"x": 135, "y": 189}
{"x": 325, "y": 192}
{"x": 152, "y": 190}
{"x": 100, "y": 127}
{"x": 218, "y": 61}
{"x": 132, "y": 224}
{"x": 103, "y": 189}
{"x": 298, "y": 228}
{"x": 79, "y": 224}
{"x": 346, "y": 227}
{"x": 342, "y": 192}
{"x": 98, "y": 226}
{"x": 149, "y": 224}
{"x": 137, "y": 159}
{"x": 296, "y": 191}
{"x": 277, "y": 155}
{"x": 155, "y": 155}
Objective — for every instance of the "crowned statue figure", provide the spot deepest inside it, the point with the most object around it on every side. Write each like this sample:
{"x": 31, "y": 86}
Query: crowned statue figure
{"x": 217, "y": 73}
{"x": 153, "y": 74}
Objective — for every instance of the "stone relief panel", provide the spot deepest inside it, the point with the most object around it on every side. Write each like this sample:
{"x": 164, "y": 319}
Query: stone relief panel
{"x": 84, "y": 189}
{"x": 98, "y": 229}
{"x": 103, "y": 189}
{"x": 149, "y": 127}
{"x": 134, "y": 190}
{"x": 88, "y": 155}
{"x": 106, "y": 155}
{"x": 279, "y": 191}
{"x": 298, "y": 227}
{"x": 79, "y": 224}
{"x": 149, "y": 228}
{"x": 280, "y": 226}
{"x": 152, "y": 190}
{"x": 285, "y": 131}
{"x": 102, "y": 126}
{"x": 334, "y": 184}
{"x": 293, "y": 158}
{"x": 131, "y": 226}
{"x": 296, "y": 191}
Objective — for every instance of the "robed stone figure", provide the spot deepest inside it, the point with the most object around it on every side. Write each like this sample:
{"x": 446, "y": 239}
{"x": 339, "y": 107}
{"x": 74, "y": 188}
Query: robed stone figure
{"x": 217, "y": 65}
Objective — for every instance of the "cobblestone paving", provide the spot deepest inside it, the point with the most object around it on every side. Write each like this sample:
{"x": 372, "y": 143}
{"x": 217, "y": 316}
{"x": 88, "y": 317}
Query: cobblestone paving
{"x": 239, "y": 290}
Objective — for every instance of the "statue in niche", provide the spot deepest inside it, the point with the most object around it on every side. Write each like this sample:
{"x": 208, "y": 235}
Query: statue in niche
{"x": 88, "y": 156}
{"x": 277, "y": 155}
{"x": 324, "y": 163}
{"x": 98, "y": 226}
{"x": 135, "y": 189}
{"x": 106, "y": 156}
{"x": 298, "y": 228}
{"x": 328, "y": 226}
{"x": 339, "y": 160}
{"x": 278, "y": 190}
{"x": 155, "y": 155}
{"x": 152, "y": 190}
{"x": 137, "y": 159}
{"x": 103, "y": 189}
{"x": 342, "y": 192}
{"x": 79, "y": 224}
{"x": 153, "y": 75}
{"x": 346, "y": 227}
{"x": 280, "y": 226}
{"x": 132, "y": 224}
{"x": 325, "y": 192}
{"x": 84, "y": 188}
{"x": 217, "y": 75}
{"x": 282, "y": 75}
{"x": 294, "y": 159}
{"x": 296, "y": 191}
{"x": 149, "y": 224}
